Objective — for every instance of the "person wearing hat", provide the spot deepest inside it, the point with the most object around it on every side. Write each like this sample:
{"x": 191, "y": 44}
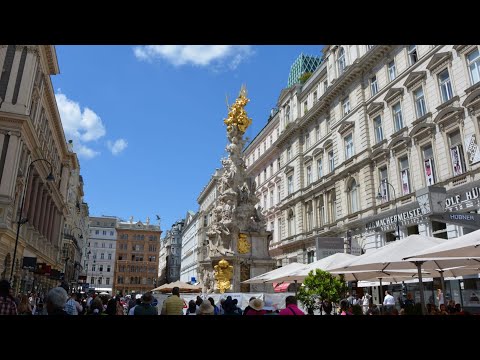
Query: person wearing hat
{"x": 269, "y": 308}
{"x": 146, "y": 307}
{"x": 7, "y": 303}
{"x": 206, "y": 308}
{"x": 256, "y": 307}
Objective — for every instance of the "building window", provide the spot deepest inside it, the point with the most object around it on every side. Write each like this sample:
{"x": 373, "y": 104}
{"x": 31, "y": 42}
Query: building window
{"x": 341, "y": 61}
{"x": 264, "y": 201}
{"x": 327, "y": 125}
{"x": 309, "y": 175}
{"x": 305, "y": 107}
{"x": 109, "y": 256}
{"x": 325, "y": 86}
{"x": 315, "y": 97}
{"x": 307, "y": 140}
{"x": 370, "y": 47}
{"x": 429, "y": 165}
{"x": 258, "y": 152}
{"x": 373, "y": 85}
{"x": 102, "y": 256}
{"x": 392, "y": 72}
{"x": 384, "y": 191}
{"x": 271, "y": 169}
{"x": 104, "y": 232}
{"x": 412, "y": 54}
{"x": 111, "y": 233}
{"x": 404, "y": 175}
{"x": 353, "y": 196}
{"x": 92, "y": 280}
{"x": 319, "y": 168}
{"x": 473, "y": 62}
{"x": 309, "y": 211}
{"x": 110, "y": 246}
{"x": 346, "y": 106}
{"x": 310, "y": 256}
{"x": 420, "y": 106}
{"x": 271, "y": 198}
{"x": 253, "y": 156}
{"x": 278, "y": 164}
{"x": 271, "y": 140}
{"x": 290, "y": 184}
{"x": 265, "y": 174}
{"x": 287, "y": 114}
{"x": 100, "y": 268}
{"x": 348, "y": 146}
{"x": 378, "y": 129}
{"x": 103, "y": 245}
{"x": 289, "y": 153}
{"x": 321, "y": 211}
{"x": 397, "y": 116}
{"x": 456, "y": 153}
{"x": 278, "y": 195}
{"x": 97, "y": 232}
{"x": 279, "y": 228}
{"x": 445, "y": 85}
{"x": 291, "y": 223}
{"x": 333, "y": 205}
{"x": 107, "y": 281}
{"x": 331, "y": 161}
{"x": 265, "y": 146}
{"x": 108, "y": 268}
{"x": 317, "y": 133}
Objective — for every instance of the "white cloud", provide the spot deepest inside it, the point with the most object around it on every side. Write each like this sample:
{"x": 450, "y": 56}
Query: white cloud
{"x": 118, "y": 146}
{"x": 85, "y": 151}
{"x": 83, "y": 126}
{"x": 198, "y": 55}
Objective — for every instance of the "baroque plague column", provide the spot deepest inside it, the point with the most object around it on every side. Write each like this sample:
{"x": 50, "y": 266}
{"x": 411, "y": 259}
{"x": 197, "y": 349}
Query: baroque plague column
{"x": 237, "y": 246}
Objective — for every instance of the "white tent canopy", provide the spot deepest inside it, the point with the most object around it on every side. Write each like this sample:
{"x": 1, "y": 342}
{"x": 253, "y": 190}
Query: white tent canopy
{"x": 327, "y": 263}
{"x": 272, "y": 275}
{"x": 467, "y": 245}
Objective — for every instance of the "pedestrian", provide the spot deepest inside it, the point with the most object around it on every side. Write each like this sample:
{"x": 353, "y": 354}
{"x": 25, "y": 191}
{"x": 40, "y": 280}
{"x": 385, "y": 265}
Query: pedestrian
{"x": 146, "y": 307}
{"x": 291, "y": 307}
{"x": 174, "y": 304}
{"x": 7, "y": 303}
{"x": 56, "y": 300}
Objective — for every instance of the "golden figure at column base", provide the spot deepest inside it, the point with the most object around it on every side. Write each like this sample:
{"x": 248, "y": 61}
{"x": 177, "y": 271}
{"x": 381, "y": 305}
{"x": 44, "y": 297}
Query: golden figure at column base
{"x": 243, "y": 244}
{"x": 223, "y": 275}
{"x": 237, "y": 116}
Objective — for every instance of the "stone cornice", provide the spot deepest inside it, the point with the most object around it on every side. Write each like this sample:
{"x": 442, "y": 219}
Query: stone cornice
{"x": 375, "y": 107}
{"x": 393, "y": 94}
{"x": 345, "y": 126}
{"x": 414, "y": 78}
{"x": 438, "y": 60}
{"x": 52, "y": 62}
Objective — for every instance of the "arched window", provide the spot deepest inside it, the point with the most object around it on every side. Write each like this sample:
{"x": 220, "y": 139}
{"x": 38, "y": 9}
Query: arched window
{"x": 287, "y": 114}
{"x": 353, "y": 196}
{"x": 341, "y": 61}
{"x": 309, "y": 218}
{"x": 321, "y": 211}
{"x": 291, "y": 223}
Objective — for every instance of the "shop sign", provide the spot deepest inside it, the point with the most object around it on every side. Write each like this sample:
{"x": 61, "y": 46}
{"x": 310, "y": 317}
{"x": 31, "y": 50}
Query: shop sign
{"x": 29, "y": 263}
{"x": 407, "y": 215}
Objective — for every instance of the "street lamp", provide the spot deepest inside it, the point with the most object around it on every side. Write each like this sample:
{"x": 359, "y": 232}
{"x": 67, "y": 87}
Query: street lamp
{"x": 21, "y": 221}
{"x": 380, "y": 197}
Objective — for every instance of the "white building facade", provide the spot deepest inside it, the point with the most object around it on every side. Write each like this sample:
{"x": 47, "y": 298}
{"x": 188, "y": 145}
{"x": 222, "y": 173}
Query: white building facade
{"x": 100, "y": 253}
{"x": 371, "y": 119}
{"x": 189, "y": 258}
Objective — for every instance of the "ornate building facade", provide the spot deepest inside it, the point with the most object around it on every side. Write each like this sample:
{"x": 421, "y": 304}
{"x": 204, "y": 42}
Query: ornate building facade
{"x": 348, "y": 148}
{"x": 99, "y": 262}
{"x": 170, "y": 254}
{"x": 31, "y": 130}
{"x": 136, "y": 263}
{"x": 189, "y": 255}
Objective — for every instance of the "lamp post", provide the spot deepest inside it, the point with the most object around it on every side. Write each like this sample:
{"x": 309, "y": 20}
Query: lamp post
{"x": 21, "y": 220}
{"x": 380, "y": 197}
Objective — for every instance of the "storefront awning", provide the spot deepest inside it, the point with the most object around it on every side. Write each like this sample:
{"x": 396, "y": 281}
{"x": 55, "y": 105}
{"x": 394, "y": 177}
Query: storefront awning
{"x": 280, "y": 287}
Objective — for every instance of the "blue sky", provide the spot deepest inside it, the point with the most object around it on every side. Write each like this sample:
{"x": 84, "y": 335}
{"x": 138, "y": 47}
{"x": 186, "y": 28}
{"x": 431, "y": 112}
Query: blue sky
{"x": 147, "y": 121}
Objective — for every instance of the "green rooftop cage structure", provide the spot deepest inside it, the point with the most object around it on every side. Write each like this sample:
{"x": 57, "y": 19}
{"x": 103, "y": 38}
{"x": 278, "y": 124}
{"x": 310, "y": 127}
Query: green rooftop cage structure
{"x": 303, "y": 64}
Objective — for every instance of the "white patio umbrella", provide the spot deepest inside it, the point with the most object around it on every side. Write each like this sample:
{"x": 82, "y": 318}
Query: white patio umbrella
{"x": 390, "y": 257}
{"x": 274, "y": 274}
{"x": 327, "y": 263}
{"x": 467, "y": 245}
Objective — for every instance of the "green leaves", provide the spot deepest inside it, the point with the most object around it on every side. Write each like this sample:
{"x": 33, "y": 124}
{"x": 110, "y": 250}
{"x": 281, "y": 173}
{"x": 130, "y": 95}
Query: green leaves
{"x": 321, "y": 285}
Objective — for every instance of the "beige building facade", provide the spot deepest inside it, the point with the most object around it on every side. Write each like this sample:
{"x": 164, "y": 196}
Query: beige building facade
{"x": 370, "y": 119}
{"x": 31, "y": 129}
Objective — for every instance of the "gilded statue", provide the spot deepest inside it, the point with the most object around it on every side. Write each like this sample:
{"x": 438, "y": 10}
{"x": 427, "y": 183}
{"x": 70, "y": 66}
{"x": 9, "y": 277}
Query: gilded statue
{"x": 237, "y": 116}
{"x": 223, "y": 275}
{"x": 243, "y": 244}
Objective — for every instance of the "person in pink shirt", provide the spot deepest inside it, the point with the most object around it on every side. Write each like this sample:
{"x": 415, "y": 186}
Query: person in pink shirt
{"x": 291, "y": 307}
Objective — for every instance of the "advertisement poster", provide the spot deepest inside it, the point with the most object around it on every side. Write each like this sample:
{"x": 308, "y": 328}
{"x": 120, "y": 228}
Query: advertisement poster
{"x": 473, "y": 152}
{"x": 429, "y": 172}
{"x": 405, "y": 184}
{"x": 456, "y": 163}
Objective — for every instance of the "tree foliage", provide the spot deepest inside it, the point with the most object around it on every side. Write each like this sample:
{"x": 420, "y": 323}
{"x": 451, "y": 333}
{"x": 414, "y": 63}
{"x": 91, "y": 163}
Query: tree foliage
{"x": 304, "y": 77}
{"x": 321, "y": 285}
